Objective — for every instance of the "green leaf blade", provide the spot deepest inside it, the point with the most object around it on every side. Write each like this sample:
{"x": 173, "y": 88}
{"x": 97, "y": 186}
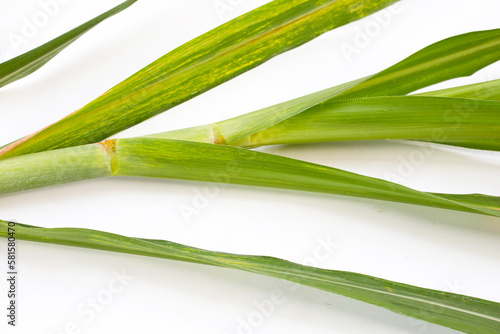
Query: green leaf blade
{"x": 27, "y": 63}
{"x": 463, "y": 313}
{"x": 162, "y": 158}
{"x": 196, "y": 67}
{"x": 185, "y": 160}
{"x": 394, "y": 117}
{"x": 454, "y": 57}
{"x": 488, "y": 90}
{"x": 450, "y": 58}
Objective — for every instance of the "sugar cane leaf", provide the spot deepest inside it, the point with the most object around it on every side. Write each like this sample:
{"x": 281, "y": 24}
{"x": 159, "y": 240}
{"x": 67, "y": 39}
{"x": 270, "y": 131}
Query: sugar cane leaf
{"x": 450, "y": 58}
{"x": 489, "y": 90}
{"x": 426, "y": 118}
{"x": 27, "y": 63}
{"x": 463, "y": 313}
{"x": 453, "y": 57}
{"x": 186, "y": 160}
{"x": 490, "y": 144}
{"x": 198, "y": 66}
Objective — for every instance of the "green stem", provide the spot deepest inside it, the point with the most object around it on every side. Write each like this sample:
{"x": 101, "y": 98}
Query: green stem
{"x": 54, "y": 167}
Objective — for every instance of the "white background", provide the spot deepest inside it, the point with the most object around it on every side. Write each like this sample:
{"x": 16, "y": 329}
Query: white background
{"x": 427, "y": 247}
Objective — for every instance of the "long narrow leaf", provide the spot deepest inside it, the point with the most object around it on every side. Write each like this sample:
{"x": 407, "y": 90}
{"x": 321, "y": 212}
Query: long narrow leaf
{"x": 174, "y": 159}
{"x": 198, "y": 66}
{"x": 453, "y": 57}
{"x": 402, "y": 117}
{"x": 489, "y": 90}
{"x": 463, "y": 313}
{"x": 491, "y": 144}
{"x": 27, "y": 63}
{"x": 457, "y": 121}
{"x": 450, "y": 58}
